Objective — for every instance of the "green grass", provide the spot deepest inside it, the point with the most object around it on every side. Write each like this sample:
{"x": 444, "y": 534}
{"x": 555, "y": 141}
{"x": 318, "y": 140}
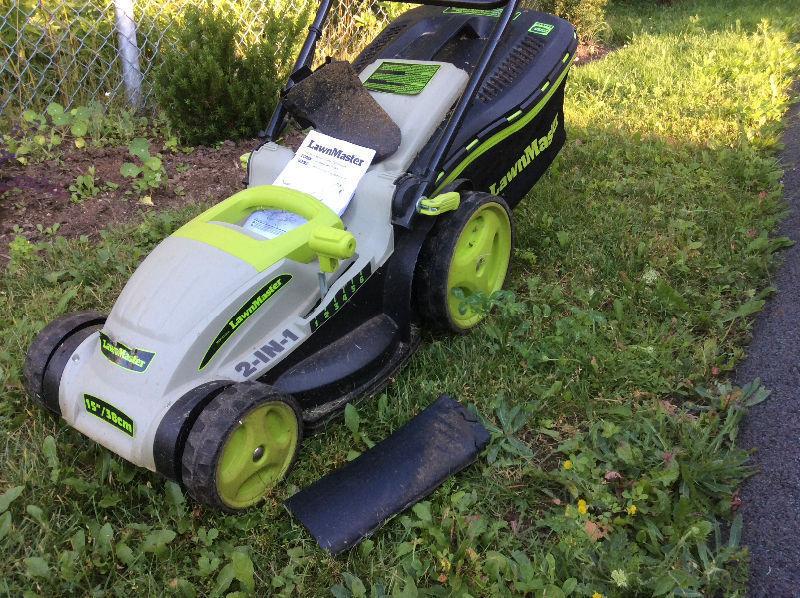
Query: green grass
{"x": 628, "y": 18}
{"x": 640, "y": 256}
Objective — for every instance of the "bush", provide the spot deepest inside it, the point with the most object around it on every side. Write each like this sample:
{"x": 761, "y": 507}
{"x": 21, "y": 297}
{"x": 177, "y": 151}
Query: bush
{"x": 212, "y": 89}
{"x": 588, "y": 16}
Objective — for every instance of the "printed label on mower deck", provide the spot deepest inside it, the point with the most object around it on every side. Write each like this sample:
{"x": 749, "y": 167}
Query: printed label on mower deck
{"x": 271, "y": 224}
{"x": 267, "y": 352}
{"x": 252, "y": 305}
{"x": 342, "y": 296}
{"x": 129, "y": 358}
{"x": 532, "y": 151}
{"x": 541, "y": 28}
{"x": 478, "y": 12}
{"x": 401, "y": 78}
{"x": 108, "y": 413}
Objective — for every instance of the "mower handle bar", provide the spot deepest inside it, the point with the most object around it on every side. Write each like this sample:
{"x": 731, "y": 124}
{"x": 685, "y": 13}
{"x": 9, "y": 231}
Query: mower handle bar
{"x": 445, "y": 140}
{"x": 459, "y": 3}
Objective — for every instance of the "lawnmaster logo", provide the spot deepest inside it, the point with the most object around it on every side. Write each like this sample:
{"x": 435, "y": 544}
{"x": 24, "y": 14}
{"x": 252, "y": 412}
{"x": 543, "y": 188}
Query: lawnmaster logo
{"x": 135, "y": 360}
{"x": 536, "y": 147}
{"x": 334, "y": 152}
{"x": 255, "y": 302}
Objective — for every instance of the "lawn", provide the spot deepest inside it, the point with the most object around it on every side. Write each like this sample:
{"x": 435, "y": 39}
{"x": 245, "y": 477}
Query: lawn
{"x": 601, "y": 372}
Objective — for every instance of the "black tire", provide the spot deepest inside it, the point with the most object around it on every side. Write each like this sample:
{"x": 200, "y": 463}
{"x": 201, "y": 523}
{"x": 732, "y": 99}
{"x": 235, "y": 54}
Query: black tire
{"x": 40, "y": 354}
{"x": 212, "y": 430}
{"x": 431, "y": 276}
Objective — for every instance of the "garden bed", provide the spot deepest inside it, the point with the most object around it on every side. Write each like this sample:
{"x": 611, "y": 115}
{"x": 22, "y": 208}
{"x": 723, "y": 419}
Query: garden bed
{"x": 37, "y": 202}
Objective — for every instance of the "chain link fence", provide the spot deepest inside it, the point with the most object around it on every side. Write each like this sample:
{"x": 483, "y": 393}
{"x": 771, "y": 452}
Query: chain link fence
{"x": 76, "y": 51}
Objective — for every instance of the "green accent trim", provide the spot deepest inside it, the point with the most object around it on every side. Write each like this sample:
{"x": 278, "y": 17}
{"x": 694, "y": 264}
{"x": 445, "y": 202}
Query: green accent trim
{"x": 108, "y": 413}
{"x": 546, "y": 85}
{"x": 472, "y": 144}
{"x": 441, "y": 174}
{"x": 502, "y": 135}
{"x": 133, "y": 360}
{"x": 257, "y": 454}
{"x": 402, "y": 78}
{"x": 262, "y": 253}
{"x": 566, "y": 57}
{"x": 514, "y": 116}
{"x": 433, "y": 206}
{"x": 527, "y": 157}
{"x": 250, "y": 307}
{"x": 479, "y": 263}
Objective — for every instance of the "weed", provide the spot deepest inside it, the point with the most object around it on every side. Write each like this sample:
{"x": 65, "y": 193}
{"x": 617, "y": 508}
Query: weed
{"x": 39, "y": 134}
{"x": 84, "y": 187}
{"x": 48, "y": 231}
{"x": 150, "y": 172}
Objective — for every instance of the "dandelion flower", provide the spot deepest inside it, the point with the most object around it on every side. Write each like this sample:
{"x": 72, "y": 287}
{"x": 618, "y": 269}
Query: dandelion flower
{"x": 567, "y": 464}
{"x": 583, "y": 508}
{"x": 597, "y": 595}
{"x": 632, "y": 510}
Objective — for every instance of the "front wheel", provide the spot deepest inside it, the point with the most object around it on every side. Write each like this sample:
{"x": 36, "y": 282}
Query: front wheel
{"x": 48, "y": 354}
{"x": 468, "y": 252}
{"x": 241, "y": 445}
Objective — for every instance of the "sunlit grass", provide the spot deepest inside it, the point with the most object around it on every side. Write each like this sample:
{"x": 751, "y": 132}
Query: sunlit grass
{"x": 638, "y": 256}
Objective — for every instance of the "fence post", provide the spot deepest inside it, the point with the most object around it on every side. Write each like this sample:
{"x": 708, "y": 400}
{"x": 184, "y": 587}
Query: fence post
{"x": 129, "y": 52}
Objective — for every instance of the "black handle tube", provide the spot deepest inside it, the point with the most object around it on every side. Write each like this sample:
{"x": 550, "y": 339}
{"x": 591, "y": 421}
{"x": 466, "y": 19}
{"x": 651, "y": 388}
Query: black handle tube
{"x": 475, "y": 80}
{"x": 304, "y": 59}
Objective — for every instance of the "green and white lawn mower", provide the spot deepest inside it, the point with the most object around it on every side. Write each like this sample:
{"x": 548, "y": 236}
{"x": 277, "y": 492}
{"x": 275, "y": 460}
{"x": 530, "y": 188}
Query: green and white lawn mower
{"x": 229, "y": 340}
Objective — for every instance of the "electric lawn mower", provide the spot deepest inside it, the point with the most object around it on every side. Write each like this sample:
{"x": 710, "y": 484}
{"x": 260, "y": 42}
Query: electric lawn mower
{"x": 227, "y": 343}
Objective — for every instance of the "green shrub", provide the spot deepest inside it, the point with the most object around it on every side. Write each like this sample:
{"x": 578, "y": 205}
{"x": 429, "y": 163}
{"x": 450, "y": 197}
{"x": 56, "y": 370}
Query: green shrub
{"x": 212, "y": 89}
{"x": 588, "y": 16}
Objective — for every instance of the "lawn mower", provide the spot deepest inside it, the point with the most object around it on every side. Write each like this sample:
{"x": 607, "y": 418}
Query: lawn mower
{"x": 227, "y": 343}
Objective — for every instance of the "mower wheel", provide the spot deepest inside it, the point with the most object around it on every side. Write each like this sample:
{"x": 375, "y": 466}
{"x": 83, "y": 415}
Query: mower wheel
{"x": 467, "y": 252}
{"x": 241, "y": 445}
{"x": 54, "y": 338}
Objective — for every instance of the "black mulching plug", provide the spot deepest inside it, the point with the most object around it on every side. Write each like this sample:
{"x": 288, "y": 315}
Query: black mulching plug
{"x": 350, "y": 503}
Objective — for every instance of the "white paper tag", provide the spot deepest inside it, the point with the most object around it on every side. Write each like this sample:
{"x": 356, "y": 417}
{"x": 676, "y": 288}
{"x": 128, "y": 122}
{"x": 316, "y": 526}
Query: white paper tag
{"x": 328, "y": 169}
{"x": 272, "y": 223}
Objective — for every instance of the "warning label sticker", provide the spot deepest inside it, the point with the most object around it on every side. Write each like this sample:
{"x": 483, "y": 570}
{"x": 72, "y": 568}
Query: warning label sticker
{"x": 402, "y": 78}
{"x": 541, "y": 28}
{"x": 480, "y": 12}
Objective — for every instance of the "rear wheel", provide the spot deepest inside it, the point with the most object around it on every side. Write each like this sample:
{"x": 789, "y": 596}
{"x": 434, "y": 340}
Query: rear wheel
{"x": 241, "y": 445}
{"x": 50, "y": 349}
{"x": 467, "y": 253}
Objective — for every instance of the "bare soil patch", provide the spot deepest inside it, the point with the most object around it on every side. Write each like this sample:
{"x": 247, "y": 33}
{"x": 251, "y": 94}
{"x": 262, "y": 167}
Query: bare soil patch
{"x": 37, "y": 195}
{"x": 589, "y": 52}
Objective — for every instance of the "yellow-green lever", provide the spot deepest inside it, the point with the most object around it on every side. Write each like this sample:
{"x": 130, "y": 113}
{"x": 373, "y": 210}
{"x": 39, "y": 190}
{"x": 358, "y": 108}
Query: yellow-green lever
{"x": 331, "y": 245}
{"x": 433, "y": 206}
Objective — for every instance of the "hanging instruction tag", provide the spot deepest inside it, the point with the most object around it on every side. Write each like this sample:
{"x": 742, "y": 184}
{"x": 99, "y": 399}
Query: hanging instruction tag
{"x": 328, "y": 169}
